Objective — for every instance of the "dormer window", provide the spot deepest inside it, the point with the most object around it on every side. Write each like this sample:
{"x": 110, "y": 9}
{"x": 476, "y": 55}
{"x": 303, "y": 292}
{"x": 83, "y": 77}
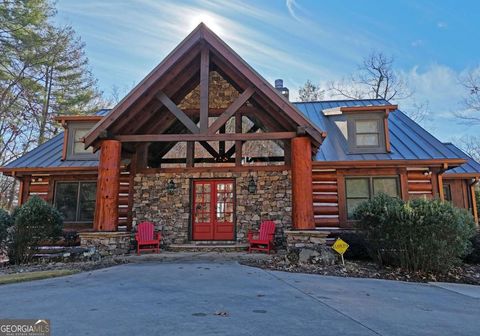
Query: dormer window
{"x": 76, "y": 128}
{"x": 75, "y": 146}
{"x": 366, "y": 133}
{"x": 367, "y": 128}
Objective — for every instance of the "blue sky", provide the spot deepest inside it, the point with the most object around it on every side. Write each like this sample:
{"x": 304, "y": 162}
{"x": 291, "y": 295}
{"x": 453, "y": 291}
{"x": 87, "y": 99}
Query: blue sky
{"x": 433, "y": 42}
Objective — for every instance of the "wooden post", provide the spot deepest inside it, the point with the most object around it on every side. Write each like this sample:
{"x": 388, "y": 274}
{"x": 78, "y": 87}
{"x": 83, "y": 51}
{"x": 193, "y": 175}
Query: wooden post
{"x": 238, "y": 143}
{"x": 190, "y": 154}
{"x": 106, "y": 206}
{"x": 204, "y": 78}
{"x": 302, "y": 197}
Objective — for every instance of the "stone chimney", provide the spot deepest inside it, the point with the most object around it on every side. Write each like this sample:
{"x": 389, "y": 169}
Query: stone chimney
{"x": 280, "y": 88}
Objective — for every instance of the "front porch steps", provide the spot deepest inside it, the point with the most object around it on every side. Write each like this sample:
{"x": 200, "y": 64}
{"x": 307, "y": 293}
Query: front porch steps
{"x": 210, "y": 246}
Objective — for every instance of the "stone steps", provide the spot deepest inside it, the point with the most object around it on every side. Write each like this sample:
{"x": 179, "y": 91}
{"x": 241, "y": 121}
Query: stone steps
{"x": 198, "y": 247}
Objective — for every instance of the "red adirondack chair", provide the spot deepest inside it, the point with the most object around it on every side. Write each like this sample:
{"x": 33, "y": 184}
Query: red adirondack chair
{"x": 146, "y": 236}
{"x": 262, "y": 240}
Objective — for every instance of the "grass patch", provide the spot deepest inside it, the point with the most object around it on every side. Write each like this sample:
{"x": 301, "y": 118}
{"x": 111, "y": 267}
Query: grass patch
{"x": 29, "y": 276}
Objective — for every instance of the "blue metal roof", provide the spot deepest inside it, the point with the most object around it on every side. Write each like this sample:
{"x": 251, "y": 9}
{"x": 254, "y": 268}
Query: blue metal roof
{"x": 408, "y": 140}
{"x": 49, "y": 154}
{"x": 470, "y": 167}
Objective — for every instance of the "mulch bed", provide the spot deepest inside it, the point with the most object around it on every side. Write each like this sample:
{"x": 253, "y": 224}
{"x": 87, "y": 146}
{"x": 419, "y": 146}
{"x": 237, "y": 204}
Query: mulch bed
{"x": 466, "y": 273}
{"x": 81, "y": 266}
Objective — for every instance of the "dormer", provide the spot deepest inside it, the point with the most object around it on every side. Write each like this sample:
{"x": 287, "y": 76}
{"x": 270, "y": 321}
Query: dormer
{"x": 76, "y": 127}
{"x": 365, "y": 128}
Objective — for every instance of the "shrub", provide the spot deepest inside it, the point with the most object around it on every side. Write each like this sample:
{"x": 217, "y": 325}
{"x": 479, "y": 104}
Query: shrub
{"x": 6, "y": 222}
{"x": 477, "y": 199}
{"x": 426, "y": 235}
{"x": 474, "y": 256}
{"x": 357, "y": 249}
{"x": 36, "y": 223}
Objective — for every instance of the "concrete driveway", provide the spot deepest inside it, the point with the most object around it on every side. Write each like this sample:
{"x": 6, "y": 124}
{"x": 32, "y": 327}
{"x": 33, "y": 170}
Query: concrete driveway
{"x": 202, "y": 297}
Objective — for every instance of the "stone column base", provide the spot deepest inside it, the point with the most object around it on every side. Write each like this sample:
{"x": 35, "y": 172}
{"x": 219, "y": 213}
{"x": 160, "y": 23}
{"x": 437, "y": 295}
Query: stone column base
{"x": 309, "y": 247}
{"x": 106, "y": 243}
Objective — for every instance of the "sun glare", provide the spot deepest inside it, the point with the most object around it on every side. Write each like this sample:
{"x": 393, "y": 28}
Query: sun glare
{"x": 207, "y": 18}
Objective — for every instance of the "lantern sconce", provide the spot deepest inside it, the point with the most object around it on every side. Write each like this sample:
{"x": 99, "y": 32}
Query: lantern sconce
{"x": 171, "y": 186}
{"x": 252, "y": 186}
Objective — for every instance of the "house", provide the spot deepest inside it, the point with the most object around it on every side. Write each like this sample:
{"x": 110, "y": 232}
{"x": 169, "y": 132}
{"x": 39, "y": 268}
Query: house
{"x": 206, "y": 148}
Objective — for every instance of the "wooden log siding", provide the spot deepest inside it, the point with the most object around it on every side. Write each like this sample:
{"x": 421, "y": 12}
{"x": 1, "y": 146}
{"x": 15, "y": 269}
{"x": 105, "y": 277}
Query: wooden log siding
{"x": 125, "y": 197}
{"x": 420, "y": 183}
{"x": 39, "y": 186}
{"x": 325, "y": 197}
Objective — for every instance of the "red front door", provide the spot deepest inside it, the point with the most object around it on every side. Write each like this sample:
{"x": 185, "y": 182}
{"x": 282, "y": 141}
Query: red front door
{"x": 213, "y": 204}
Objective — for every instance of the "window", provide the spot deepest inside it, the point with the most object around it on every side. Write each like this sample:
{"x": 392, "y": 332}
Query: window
{"x": 447, "y": 192}
{"x": 78, "y": 145}
{"x": 75, "y": 146}
{"x": 75, "y": 200}
{"x": 366, "y": 133}
{"x": 359, "y": 189}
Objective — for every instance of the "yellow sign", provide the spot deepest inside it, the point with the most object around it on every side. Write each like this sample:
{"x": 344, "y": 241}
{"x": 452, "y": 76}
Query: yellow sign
{"x": 340, "y": 246}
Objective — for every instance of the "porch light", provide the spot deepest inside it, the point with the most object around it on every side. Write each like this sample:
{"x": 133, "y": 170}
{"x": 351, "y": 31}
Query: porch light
{"x": 252, "y": 186}
{"x": 171, "y": 186}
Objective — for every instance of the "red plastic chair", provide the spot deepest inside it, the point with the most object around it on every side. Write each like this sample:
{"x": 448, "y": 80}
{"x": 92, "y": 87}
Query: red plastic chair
{"x": 262, "y": 240}
{"x": 146, "y": 236}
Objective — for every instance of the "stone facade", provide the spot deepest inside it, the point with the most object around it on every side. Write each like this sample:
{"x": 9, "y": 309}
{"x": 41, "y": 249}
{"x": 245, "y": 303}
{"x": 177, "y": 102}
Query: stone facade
{"x": 220, "y": 94}
{"x": 172, "y": 212}
{"x": 106, "y": 243}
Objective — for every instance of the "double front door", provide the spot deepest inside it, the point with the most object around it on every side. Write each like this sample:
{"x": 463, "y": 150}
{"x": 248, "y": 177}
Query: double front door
{"x": 213, "y": 210}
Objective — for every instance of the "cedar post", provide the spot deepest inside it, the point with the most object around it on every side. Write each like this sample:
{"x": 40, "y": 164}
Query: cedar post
{"x": 302, "y": 199}
{"x": 106, "y": 206}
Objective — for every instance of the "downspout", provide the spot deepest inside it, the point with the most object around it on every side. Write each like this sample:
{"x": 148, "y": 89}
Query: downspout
{"x": 474, "y": 202}
{"x": 474, "y": 182}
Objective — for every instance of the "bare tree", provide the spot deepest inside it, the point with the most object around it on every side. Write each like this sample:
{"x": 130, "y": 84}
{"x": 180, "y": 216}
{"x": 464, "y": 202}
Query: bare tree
{"x": 310, "y": 92}
{"x": 469, "y": 144}
{"x": 418, "y": 111}
{"x": 374, "y": 79}
{"x": 471, "y": 100}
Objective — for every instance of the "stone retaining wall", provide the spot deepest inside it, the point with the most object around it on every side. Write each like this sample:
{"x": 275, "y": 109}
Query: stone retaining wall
{"x": 171, "y": 212}
{"x": 106, "y": 243}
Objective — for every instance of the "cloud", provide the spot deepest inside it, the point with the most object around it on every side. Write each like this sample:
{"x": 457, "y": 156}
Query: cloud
{"x": 417, "y": 43}
{"x": 442, "y": 25}
{"x": 291, "y": 5}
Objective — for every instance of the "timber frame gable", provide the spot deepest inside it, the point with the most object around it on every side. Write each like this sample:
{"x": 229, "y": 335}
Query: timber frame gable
{"x": 150, "y": 112}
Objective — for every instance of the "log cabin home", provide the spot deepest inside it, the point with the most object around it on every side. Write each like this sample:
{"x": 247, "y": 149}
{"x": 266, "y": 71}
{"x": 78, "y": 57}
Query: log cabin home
{"x": 206, "y": 148}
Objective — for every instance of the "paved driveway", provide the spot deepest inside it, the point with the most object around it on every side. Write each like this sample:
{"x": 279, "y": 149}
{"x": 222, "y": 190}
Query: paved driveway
{"x": 190, "y": 297}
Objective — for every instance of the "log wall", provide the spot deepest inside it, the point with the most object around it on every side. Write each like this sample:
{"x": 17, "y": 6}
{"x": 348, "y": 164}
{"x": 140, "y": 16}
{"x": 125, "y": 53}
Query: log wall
{"x": 328, "y": 189}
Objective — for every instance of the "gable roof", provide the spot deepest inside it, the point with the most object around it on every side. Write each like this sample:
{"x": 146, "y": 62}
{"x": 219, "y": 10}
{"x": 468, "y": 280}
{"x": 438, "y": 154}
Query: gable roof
{"x": 186, "y": 52}
{"x": 408, "y": 140}
{"x": 470, "y": 168}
